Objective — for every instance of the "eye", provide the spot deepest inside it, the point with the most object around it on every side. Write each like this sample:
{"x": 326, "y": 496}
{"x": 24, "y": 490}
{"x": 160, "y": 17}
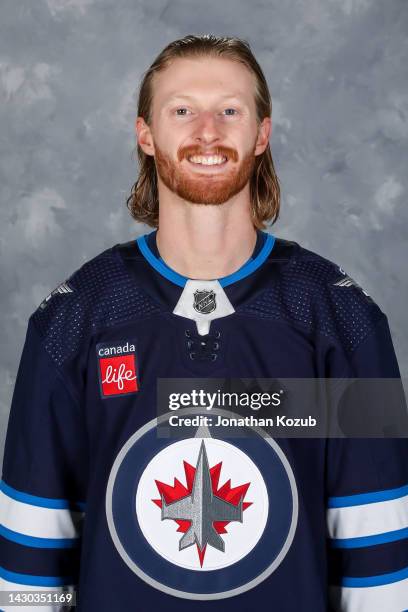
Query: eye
{"x": 183, "y": 108}
{"x": 230, "y": 109}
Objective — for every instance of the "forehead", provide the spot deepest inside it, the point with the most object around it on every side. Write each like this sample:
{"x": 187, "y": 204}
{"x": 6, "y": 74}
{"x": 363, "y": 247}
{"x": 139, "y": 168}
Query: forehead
{"x": 214, "y": 78}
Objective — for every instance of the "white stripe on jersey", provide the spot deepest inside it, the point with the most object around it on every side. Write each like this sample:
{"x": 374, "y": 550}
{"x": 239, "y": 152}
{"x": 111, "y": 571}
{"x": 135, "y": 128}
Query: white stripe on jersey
{"x": 35, "y": 521}
{"x": 368, "y": 519}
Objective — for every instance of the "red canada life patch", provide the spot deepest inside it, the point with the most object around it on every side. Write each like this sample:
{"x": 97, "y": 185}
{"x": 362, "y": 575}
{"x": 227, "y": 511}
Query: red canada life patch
{"x": 118, "y": 374}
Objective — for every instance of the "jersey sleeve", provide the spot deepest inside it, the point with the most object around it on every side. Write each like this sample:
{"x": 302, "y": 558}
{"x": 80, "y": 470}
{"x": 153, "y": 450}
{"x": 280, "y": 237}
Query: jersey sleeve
{"x": 43, "y": 486}
{"x": 367, "y": 501}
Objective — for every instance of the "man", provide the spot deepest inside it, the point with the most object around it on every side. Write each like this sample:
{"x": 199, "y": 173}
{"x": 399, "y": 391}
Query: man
{"x": 93, "y": 498}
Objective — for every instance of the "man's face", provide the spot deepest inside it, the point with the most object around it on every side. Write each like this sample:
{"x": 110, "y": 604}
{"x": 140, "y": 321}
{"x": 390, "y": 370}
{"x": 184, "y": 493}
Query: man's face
{"x": 203, "y": 111}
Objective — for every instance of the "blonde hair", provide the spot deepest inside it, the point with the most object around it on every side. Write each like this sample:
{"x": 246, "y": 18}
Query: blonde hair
{"x": 143, "y": 202}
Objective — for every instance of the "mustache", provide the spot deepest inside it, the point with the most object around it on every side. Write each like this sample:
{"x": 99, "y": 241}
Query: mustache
{"x": 227, "y": 152}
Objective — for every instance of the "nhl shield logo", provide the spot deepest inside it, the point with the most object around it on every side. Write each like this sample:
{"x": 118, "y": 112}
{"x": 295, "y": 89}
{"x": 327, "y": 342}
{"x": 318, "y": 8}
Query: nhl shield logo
{"x": 204, "y": 301}
{"x": 201, "y": 518}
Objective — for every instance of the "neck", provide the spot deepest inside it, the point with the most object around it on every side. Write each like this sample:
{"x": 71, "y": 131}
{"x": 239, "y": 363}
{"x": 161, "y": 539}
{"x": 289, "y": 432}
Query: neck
{"x": 205, "y": 241}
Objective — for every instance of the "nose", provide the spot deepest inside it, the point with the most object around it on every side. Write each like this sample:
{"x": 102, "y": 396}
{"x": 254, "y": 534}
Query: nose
{"x": 207, "y": 129}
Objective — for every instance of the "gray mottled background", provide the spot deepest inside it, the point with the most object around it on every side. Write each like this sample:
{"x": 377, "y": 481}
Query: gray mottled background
{"x": 69, "y": 72}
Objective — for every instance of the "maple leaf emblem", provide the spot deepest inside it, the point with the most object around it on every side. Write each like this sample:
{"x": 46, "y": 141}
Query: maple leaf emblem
{"x": 201, "y": 509}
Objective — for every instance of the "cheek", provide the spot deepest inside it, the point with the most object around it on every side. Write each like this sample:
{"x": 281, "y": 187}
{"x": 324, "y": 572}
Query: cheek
{"x": 170, "y": 141}
{"x": 166, "y": 154}
{"x": 243, "y": 136}
{"x": 161, "y": 143}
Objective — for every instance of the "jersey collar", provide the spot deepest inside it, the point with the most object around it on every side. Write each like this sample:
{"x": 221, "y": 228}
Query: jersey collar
{"x": 248, "y": 268}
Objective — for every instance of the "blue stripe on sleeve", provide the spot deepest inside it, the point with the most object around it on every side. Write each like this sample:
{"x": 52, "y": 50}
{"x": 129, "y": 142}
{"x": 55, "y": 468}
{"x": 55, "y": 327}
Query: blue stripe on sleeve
{"x": 36, "y": 542}
{"x": 42, "y": 502}
{"x": 367, "y": 498}
{"x": 31, "y": 580}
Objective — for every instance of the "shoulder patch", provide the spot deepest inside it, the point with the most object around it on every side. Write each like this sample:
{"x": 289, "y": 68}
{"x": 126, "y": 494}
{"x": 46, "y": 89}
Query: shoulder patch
{"x": 62, "y": 289}
{"x": 346, "y": 281}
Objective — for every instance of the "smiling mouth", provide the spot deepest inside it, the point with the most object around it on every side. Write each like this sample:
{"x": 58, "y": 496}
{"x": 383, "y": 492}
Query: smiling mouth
{"x": 209, "y": 165}
{"x": 207, "y": 160}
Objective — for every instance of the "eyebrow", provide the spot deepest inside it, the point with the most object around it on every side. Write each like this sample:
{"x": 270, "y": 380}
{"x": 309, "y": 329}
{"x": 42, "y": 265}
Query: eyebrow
{"x": 187, "y": 97}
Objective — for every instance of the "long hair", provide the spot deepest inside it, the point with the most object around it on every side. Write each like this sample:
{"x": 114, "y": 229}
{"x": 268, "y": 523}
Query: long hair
{"x": 143, "y": 202}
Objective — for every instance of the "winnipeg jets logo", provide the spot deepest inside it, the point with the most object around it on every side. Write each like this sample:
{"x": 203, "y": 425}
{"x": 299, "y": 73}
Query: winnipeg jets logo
{"x": 201, "y": 518}
{"x": 201, "y": 510}
{"x": 204, "y": 301}
{"x": 192, "y": 508}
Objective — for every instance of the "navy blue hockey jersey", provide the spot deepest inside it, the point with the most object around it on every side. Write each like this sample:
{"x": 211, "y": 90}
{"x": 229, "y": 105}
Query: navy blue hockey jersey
{"x": 92, "y": 499}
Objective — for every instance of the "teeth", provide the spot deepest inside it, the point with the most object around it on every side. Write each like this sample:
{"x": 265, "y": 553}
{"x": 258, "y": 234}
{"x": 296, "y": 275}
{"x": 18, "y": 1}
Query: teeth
{"x": 208, "y": 160}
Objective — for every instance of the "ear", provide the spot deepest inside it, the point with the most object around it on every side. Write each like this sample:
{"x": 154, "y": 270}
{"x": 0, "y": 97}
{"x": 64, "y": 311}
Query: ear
{"x": 144, "y": 136}
{"x": 264, "y": 132}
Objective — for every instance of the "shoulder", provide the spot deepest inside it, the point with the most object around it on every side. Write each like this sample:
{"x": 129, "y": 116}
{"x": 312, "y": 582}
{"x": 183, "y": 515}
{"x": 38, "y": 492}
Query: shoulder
{"x": 326, "y": 278}
{"x": 317, "y": 293}
{"x": 313, "y": 270}
{"x": 99, "y": 294}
